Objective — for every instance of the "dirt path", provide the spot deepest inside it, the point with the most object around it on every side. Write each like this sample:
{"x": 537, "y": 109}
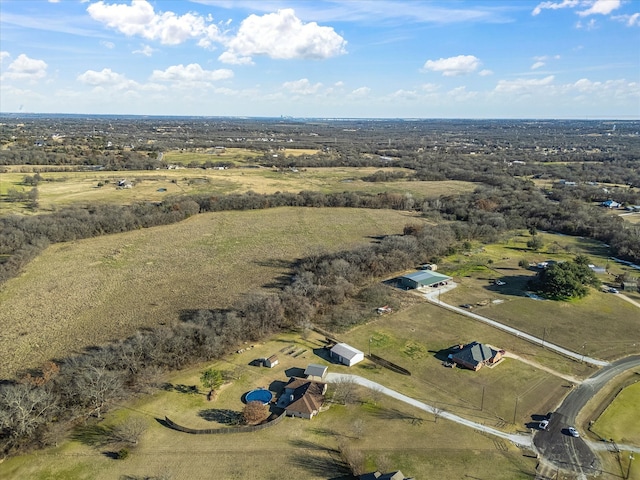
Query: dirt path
{"x": 627, "y": 299}
{"x": 569, "y": 378}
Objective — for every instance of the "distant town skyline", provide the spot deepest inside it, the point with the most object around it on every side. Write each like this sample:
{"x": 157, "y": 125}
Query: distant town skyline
{"x": 346, "y": 59}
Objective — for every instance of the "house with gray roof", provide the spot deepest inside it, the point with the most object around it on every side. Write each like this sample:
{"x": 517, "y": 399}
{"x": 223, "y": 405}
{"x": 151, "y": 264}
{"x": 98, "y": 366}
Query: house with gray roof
{"x": 475, "y": 355}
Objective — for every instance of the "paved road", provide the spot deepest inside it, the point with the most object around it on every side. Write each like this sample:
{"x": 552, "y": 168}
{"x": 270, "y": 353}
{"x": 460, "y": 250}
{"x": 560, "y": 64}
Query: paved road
{"x": 518, "y": 439}
{"x": 433, "y": 295}
{"x": 564, "y": 451}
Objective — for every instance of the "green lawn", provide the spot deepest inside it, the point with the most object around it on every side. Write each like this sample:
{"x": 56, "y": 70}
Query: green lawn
{"x": 621, "y": 419}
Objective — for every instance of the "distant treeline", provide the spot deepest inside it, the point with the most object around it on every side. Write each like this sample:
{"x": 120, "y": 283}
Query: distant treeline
{"x": 489, "y": 210}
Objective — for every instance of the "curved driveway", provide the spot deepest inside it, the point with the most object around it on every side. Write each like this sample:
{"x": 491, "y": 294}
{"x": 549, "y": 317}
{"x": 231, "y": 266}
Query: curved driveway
{"x": 518, "y": 439}
{"x": 434, "y": 297}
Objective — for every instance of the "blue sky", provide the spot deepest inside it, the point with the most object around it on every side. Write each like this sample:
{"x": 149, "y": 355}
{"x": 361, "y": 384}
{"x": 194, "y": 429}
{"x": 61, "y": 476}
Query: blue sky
{"x": 346, "y": 58}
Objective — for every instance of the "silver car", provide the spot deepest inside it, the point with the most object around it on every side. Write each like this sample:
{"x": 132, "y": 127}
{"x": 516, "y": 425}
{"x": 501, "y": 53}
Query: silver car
{"x": 573, "y": 432}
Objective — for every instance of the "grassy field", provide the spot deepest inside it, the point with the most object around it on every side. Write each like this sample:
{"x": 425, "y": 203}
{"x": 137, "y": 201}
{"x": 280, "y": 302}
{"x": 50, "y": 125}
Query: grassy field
{"x": 67, "y": 188}
{"x": 414, "y": 441}
{"x": 234, "y": 155}
{"x": 621, "y": 420}
{"x": 85, "y": 293}
{"x": 600, "y": 325}
{"x": 416, "y": 339}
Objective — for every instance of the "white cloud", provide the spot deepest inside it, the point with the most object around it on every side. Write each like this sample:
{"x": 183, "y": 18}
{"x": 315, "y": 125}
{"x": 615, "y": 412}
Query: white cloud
{"x": 629, "y": 20}
{"x": 109, "y": 45}
{"x": 105, "y": 77}
{"x": 233, "y": 59}
{"x": 4, "y": 55}
{"x": 522, "y": 86}
{"x": 139, "y": 18}
{"x": 361, "y": 92}
{"x": 453, "y": 66}
{"x": 537, "y": 65}
{"x": 555, "y": 6}
{"x": 302, "y": 87}
{"x": 430, "y": 87}
{"x": 25, "y": 68}
{"x": 282, "y": 35}
{"x": 485, "y": 72}
{"x": 145, "y": 50}
{"x": 591, "y": 7}
{"x": 590, "y": 25}
{"x": 601, "y": 7}
{"x": 191, "y": 73}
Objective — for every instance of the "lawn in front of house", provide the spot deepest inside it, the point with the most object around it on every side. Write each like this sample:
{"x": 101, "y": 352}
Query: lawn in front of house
{"x": 376, "y": 432}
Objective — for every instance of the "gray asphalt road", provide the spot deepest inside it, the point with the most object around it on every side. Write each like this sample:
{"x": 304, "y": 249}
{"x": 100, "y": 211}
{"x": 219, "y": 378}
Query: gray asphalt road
{"x": 555, "y": 444}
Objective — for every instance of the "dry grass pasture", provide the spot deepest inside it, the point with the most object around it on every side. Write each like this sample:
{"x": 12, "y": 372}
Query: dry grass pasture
{"x": 88, "y": 292}
{"x": 413, "y": 440}
{"x": 600, "y": 325}
{"x": 81, "y": 188}
{"x": 416, "y": 338}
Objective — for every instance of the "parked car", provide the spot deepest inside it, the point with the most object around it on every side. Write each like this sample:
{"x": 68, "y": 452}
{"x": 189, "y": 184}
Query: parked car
{"x": 500, "y": 283}
{"x": 467, "y": 305}
{"x": 613, "y": 290}
{"x": 573, "y": 432}
{"x": 543, "y": 424}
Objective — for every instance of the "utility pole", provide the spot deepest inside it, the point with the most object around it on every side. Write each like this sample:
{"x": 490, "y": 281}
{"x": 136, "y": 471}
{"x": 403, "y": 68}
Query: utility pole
{"x": 544, "y": 334}
{"x": 370, "y": 340}
{"x": 482, "y": 401}
{"x": 515, "y": 410}
{"x": 629, "y": 469}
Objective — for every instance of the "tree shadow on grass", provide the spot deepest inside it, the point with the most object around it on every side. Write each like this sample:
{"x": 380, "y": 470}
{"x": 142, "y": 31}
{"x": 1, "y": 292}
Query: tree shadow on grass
{"x": 93, "y": 435}
{"x": 326, "y": 466}
{"x": 394, "y": 414}
{"x": 221, "y": 415}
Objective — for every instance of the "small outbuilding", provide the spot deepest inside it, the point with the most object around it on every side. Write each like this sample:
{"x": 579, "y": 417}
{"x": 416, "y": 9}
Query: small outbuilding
{"x": 346, "y": 354}
{"x": 316, "y": 372}
{"x": 629, "y": 285}
{"x": 271, "y": 362}
{"x": 423, "y": 278}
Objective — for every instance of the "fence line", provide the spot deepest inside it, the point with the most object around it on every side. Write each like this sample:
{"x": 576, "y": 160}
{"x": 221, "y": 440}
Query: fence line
{"x": 240, "y": 429}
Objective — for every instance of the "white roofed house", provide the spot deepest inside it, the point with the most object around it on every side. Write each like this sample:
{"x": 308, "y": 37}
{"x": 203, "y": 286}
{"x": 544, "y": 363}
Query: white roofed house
{"x": 346, "y": 354}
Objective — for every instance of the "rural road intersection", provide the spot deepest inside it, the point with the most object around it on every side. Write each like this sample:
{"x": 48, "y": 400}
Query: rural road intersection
{"x": 554, "y": 445}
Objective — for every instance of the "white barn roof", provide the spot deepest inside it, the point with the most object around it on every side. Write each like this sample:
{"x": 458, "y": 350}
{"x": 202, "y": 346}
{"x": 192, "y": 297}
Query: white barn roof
{"x": 346, "y": 351}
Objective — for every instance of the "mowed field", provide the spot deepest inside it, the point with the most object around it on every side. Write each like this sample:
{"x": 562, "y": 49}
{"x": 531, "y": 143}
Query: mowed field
{"x": 621, "y": 420}
{"x": 387, "y": 434}
{"x": 81, "y": 188}
{"x": 88, "y": 292}
{"x": 601, "y": 325}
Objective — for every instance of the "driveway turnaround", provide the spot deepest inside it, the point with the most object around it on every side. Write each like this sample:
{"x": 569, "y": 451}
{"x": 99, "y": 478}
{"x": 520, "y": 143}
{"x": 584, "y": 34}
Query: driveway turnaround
{"x": 520, "y": 440}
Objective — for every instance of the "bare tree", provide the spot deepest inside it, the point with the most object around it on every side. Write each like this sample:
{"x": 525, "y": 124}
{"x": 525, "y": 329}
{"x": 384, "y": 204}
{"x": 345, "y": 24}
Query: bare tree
{"x": 23, "y": 408}
{"x": 254, "y": 412}
{"x": 358, "y": 428}
{"x": 352, "y": 457}
{"x": 99, "y": 386}
{"x": 129, "y": 432}
{"x": 344, "y": 391}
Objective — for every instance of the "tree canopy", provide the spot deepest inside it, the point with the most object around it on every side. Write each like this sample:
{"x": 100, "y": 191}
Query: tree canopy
{"x": 566, "y": 280}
